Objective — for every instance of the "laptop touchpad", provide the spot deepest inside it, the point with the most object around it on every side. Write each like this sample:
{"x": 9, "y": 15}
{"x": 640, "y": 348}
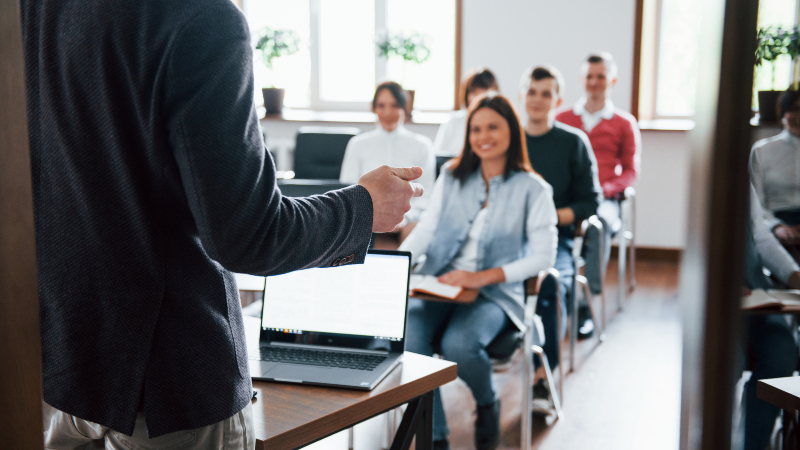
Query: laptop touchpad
{"x": 298, "y": 373}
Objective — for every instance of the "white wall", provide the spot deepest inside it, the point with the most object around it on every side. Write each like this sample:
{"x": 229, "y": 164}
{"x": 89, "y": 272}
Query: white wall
{"x": 510, "y": 35}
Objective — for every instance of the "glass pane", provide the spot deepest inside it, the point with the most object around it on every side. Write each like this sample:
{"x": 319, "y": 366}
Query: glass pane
{"x": 677, "y": 59}
{"x": 774, "y": 13}
{"x": 434, "y": 79}
{"x": 347, "y": 50}
{"x": 292, "y": 72}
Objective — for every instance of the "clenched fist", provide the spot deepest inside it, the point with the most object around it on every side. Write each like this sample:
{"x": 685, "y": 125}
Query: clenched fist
{"x": 391, "y": 193}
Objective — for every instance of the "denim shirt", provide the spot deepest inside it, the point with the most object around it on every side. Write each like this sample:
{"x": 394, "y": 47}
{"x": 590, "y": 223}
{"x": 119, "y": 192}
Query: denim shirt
{"x": 519, "y": 234}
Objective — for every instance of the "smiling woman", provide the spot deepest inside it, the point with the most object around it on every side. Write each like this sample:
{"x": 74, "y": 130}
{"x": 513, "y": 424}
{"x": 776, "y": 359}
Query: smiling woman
{"x": 490, "y": 224}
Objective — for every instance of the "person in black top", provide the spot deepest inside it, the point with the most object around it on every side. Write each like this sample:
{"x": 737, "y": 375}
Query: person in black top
{"x": 151, "y": 184}
{"x": 563, "y": 156}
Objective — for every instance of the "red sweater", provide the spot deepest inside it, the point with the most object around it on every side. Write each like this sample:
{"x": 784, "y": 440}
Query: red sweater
{"x": 616, "y": 143}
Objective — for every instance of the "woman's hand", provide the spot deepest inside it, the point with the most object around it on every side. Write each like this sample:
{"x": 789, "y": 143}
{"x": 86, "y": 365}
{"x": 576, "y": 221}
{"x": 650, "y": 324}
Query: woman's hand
{"x": 473, "y": 280}
{"x": 787, "y": 234}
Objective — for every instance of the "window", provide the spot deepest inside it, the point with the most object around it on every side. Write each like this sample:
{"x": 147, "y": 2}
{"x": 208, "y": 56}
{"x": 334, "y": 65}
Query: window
{"x": 670, "y": 36}
{"x": 774, "y": 13}
{"x": 338, "y": 67}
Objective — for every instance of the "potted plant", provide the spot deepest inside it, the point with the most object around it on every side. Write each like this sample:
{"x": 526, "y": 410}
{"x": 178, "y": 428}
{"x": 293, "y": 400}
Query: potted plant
{"x": 774, "y": 43}
{"x": 274, "y": 44}
{"x": 412, "y": 47}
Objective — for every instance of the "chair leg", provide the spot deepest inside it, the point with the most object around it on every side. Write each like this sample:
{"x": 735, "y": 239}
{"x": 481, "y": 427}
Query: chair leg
{"x": 389, "y": 429}
{"x": 632, "y": 217}
{"x": 621, "y": 262}
{"x": 560, "y": 359}
{"x": 588, "y": 295}
{"x": 527, "y": 394}
{"x": 549, "y": 376}
{"x": 573, "y": 317}
{"x": 350, "y": 438}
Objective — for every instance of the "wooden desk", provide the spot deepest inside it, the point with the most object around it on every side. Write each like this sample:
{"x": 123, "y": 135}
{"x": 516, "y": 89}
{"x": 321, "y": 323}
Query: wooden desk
{"x": 289, "y": 416}
{"x": 785, "y": 394}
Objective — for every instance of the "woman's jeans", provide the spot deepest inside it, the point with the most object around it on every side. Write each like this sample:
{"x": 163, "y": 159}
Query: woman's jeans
{"x": 462, "y": 331}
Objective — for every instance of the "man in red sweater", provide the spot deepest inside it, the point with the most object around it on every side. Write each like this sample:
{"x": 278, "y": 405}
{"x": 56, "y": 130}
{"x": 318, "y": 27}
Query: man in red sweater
{"x": 617, "y": 145}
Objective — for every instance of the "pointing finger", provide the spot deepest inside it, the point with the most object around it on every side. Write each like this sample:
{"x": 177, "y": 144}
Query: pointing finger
{"x": 407, "y": 173}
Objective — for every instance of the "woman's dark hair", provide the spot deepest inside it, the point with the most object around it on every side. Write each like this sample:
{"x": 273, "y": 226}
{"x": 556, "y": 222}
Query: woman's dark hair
{"x": 787, "y": 101}
{"x": 396, "y": 91}
{"x": 478, "y": 78}
{"x": 517, "y": 155}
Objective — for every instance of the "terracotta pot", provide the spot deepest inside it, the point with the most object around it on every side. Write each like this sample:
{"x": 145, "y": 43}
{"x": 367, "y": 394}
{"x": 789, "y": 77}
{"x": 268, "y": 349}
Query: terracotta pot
{"x": 768, "y": 105}
{"x": 409, "y": 103}
{"x": 273, "y": 99}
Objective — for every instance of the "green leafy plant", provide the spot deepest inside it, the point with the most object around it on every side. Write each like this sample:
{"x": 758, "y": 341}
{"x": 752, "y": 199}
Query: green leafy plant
{"x": 775, "y": 42}
{"x": 276, "y": 43}
{"x": 410, "y": 46}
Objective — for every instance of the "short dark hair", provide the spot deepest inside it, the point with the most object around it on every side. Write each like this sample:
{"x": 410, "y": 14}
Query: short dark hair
{"x": 478, "y": 78}
{"x": 542, "y": 72}
{"x": 787, "y": 100}
{"x": 517, "y": 155}
{"x": 605, "y": 58}
{"x": 395, "y": 89}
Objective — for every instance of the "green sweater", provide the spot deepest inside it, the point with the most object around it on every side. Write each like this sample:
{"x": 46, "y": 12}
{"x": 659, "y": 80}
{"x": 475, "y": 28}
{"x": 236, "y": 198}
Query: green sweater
{"x": 564, "y": 158}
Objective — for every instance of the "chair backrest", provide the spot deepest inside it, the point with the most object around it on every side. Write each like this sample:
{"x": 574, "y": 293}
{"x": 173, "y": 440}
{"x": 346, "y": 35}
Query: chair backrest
{"x": 306, "y": 188}
{"x": 440, "y": 160}
{"x": 319, "y": 151}
{"x": 506, "y": 343}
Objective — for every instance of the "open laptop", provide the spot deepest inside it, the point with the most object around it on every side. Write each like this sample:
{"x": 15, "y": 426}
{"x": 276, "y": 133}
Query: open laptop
{"x": 338, "y": 326}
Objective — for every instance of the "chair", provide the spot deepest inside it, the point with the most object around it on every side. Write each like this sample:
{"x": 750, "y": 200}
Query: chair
{"x": 319, "y": 151}
{"x": 440, "y": 160}
{"x": 503, "y": 347}
{"x": 626, "y": 234}
{"x": 305, "y": 188}
{"x": 579, "y": 261}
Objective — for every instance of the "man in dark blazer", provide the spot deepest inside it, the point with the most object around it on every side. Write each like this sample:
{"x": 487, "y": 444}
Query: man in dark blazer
{"x": 151, "y": 183}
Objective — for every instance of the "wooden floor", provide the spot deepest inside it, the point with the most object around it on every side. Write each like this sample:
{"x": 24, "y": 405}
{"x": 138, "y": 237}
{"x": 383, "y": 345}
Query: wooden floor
{"x": 624, "y": 393}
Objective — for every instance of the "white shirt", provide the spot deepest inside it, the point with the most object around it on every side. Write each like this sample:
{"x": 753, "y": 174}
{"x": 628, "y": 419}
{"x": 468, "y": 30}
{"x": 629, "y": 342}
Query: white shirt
{"x": 775, "y": 171}
{"x": 467, "y": 257}
{"x": 772, "y": 254}
{"x": 590, "y": 120}
{"x": 450, "y": 137}
{"x": 399, "y": 148}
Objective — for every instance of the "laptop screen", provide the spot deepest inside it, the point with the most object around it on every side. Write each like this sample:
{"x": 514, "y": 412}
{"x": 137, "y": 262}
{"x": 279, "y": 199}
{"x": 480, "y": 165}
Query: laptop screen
{"x": 366, "y": 300}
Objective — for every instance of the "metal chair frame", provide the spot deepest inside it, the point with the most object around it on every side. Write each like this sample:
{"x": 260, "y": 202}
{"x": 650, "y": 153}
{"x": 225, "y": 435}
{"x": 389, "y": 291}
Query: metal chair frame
{"x": 578, "y": 279}
{"x": 626, "y": 234}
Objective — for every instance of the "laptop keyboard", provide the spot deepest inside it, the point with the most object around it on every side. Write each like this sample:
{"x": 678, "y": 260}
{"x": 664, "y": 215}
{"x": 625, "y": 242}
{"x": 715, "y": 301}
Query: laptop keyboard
{"x": 321, "y": 358}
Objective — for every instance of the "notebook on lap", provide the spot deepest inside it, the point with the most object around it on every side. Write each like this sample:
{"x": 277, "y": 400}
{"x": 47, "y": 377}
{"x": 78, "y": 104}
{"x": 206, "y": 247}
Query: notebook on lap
{"x": 338, "y": 326}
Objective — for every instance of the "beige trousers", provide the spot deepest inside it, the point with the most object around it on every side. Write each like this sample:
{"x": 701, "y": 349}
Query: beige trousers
{"x": 63, "y": 431}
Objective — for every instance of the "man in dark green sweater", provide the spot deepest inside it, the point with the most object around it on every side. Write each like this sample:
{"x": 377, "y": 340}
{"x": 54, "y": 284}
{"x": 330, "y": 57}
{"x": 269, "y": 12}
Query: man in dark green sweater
{"x": 563, "y": 156}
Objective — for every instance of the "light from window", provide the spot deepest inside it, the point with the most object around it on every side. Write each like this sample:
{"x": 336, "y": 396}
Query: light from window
{"x": 677, "y": 57}
{"x": 291, "y": 72}
{"x": 433, "y": 80}
{"x": 774, "y": 13}
{"x": 347, "y": 50}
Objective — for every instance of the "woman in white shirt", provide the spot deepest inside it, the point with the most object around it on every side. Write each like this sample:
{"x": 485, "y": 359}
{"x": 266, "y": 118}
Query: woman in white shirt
{"x": 490, "y": 225}
{"x": 393, "y": 145}
{"x": 775, "y": 171}
{"x": 450, "y": 137}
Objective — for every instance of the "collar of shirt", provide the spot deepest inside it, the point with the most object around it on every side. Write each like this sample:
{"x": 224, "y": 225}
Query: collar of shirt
{"x": 390, "y": 134}
{"x": 590, "y": 120}
{"x": 789, "y": 137}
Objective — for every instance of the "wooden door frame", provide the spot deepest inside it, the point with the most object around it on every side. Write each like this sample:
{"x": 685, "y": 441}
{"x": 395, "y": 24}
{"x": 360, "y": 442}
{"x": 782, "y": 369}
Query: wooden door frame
{"x": 711, "y": 270}
{"x": 20, "y": 348}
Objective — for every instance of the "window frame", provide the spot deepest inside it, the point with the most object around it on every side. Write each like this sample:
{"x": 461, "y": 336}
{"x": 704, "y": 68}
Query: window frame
{"x": 316, "y": 103}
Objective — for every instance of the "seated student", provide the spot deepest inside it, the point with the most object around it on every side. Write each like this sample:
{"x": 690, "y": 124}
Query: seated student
{"x": 490, "y": 224}
{"x": 393, "y": 145}
{"x": 450, "y": 137}
{"x": 563, "y": 156}
{"x": 775, "y": 171}
{"x": 769, "y": 342}
{"x": 617, "y": 145}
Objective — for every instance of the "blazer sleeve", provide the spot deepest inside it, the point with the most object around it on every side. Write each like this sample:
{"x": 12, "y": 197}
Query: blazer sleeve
{"x": 586, "y": 191}
{"x": 242, "y": 219}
